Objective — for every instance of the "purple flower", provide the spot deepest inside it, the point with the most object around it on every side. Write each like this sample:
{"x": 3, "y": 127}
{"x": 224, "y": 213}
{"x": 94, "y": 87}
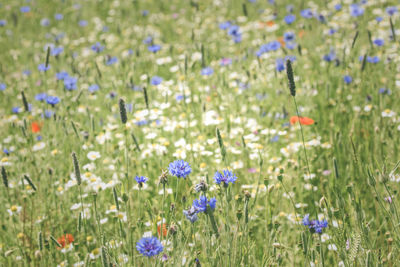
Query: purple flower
{"x": 379, "y": 42}
{"x": 154, "y": 48}
{"x": 141, "y": 180}
{"x": 306, "y": 13}
{"x": 83, "y": 23}
{"x": 42, "y": 67}
{"x": 207, "y": 71}
{"x": 58, "y": 16}
{"x": 149, "y": 246}
{"x": 191, "y": 214}
{"x": 97, "y": 47}
{"x": 225, "y": 177}
{"x": 391, "y": 10}
{"x": 347, "y": 79}
{"x": 70, "y": 83}
{"x": 225, "y": 62}
{"x": 356, "y": 10}
{"x": 62, "y": 75}
{"x": 179, "y": 168}
{"x": 289, "y": 19}
{"x": 41, "y": 96}
{"x": 52, "y": 100}
{"x": 224, "y": 25}
{"x": 25, "y": 9}
{"x": 156, "y": 80}
{"x": 201, "y": 204}
{"x": 111, "y": 61}
{"x": 93, "y": 88}
{"x": 3, "y": 86}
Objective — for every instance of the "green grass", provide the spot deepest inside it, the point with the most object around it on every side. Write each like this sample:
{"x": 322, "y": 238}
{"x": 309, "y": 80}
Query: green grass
{"x": 352, "y": 148}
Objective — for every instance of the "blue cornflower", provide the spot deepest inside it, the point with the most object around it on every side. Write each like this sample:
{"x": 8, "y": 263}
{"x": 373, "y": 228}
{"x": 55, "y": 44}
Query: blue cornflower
{"x": 57, "y": 50}
{"x": 224, "y": 25}
{"x": 154, "y": 48}
{"x": 280, "y": 64}
{"x": 3, "y": 22}
{"x": 93, "y": 88}
{"x": 191, "y": 214}
{"x": 145, "y": 13}
{"x": 3, "y": 86}
{"x": 111, "y": 60}
{"x": 15, "y": 110}
{"x": 289, "y": 37}
{"x": 58, "y": 16}
{"x": 27, "y": 72}
{"x": 289, "y": 19}
{"x": 356, "y": 10}
{"x": 385, "y": 91}
{"x": 62, "y": 75}
{"x": 52, "y": 100}
{"x": 306, "y": 13}
{"x": 70, "y": 83}
{"x": 274, "y": 139}
{"x": 233, "y": 30}
{"x": 48, "y": 113}
{"x": 39, "y": 138}
{"x": 25, "y": 9}
{"x": 149, "y": 246}
{"x": 391, "y": 10}
{"x": 148, "y": 40}
{"x": 6, "y": 151}
{"x": 97, "y": 47}
{"x": 41, "y": 96}
{"x": 201, "y": 204}
{"x": 83, "y": 23}
{"x": 45, "y": 22}
{"x": 330, "y": 57}
{"x": 274, "y": 45}
{"x": 226, "y": 177}
{"x": 156, "y": 80}
{"x": 374, "y": 59}
{"x": 379, "y": 42}
{"x": 315, "y": 226}
{"x": 140, "y": 180}
{"x": 207, "y": 71}
{"x": 179, "y": 168}
{"x": 42, "y": 67}
{"x": 347, "y": 79}
{"x": 338, "y": 7}
{"x": 378, "y": 18}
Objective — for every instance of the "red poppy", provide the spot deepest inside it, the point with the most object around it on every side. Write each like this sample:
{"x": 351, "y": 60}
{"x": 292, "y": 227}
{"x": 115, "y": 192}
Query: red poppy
{"x": 302, "y": 120}
{"x": 164, "y": 229}
{"x": 65, "y": 240}
{"x": 35, "y": 126}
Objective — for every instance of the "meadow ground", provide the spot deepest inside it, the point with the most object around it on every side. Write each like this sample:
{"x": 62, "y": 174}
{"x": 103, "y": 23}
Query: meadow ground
{"x": 199, "y": 133}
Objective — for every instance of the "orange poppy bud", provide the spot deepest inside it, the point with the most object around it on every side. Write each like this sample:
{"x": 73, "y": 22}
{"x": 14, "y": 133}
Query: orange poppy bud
{"x": 65, "y": 240}
{"x": 302, "y": 120}
{"x": 164, "y": 229}
{"x": 35, "y": 126}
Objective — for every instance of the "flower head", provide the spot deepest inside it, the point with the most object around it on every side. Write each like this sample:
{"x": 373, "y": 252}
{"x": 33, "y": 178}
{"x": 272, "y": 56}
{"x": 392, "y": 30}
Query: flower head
{"x": 179, "y": 168}
{"x": 226, "y": 177}
{"x": 141, "y": 180}
{"x": 201, "y": 204}
{"x": 65, "y": 240}
{"x": 149, "y": 246}
{"x": 191, "y": 214}
{"x": 315, "y": 226}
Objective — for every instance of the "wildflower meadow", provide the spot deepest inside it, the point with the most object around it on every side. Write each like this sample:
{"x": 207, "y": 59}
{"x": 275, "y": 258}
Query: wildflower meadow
{"x": 199, "y": 133}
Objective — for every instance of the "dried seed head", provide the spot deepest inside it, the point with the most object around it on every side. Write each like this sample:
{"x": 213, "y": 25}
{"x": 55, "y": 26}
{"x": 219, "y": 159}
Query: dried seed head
{"x": 24, "y": 101}
{"x": 163, "y": 179}
{"x": 202, "y": 186}
{"x": 289, "y": 71}
{"x": 4, "y": 176}
{"x": 122, "y": 111}
{"x": 76, "y": 168}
